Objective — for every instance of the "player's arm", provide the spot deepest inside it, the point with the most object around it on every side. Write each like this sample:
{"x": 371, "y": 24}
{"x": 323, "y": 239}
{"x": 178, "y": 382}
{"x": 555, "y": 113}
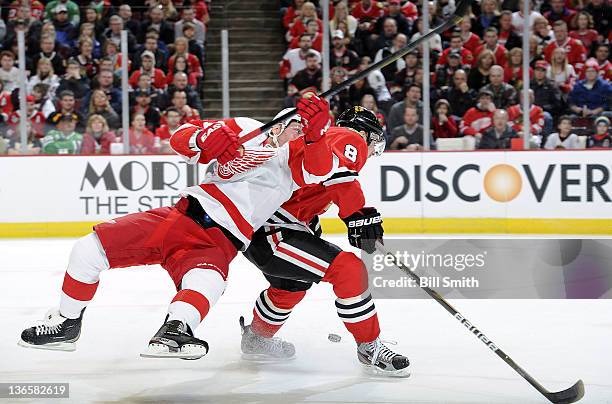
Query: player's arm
{"x": 204, "y": 141}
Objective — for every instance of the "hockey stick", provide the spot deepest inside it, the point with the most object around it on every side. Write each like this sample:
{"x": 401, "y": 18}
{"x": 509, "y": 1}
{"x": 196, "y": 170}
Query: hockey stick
{"x": 570, "y": 395}
{"x": 460, "y": 10}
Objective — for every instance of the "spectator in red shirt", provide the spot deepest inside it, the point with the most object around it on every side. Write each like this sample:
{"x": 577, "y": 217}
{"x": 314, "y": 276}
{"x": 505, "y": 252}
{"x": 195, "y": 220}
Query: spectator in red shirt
{"x": 293, "y": 12}
{"x": 479, "y": 118}
{"x": 602, "y": 55}
{"x": 181, "y": 66}
{"x": 307, "y": 13}
{"x": 36, "y": 118}
{"x": 584, "y": 31}
{"x": 443, "y": 124}
{"x": 491, "y": 43}
{"x": 559, "y": 12}
{"x": 142, "y": 141}
{"x": 312, "y": 29}
{"x": 536, "y": 117}
{"x": 181, "y": 48}
{"x": 148, "y": 66}
{"x": 470, "y": 40}
{"x": 513, "y": 70}
{"x": 98, "y": 137}
{"x": 367, "y": 9}
{"x": 172, "y": 117}
{"x": 576, "y": 53}
{"x": 410, "y": 11}
{"x": 456, "y": 44}
{"x": 507, "y": 36}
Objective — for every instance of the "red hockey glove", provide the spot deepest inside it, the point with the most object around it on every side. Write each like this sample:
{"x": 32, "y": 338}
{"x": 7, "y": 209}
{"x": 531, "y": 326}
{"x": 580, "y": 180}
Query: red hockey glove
{"x": 364, "y": 229}
{"x": 314, "y": 112}
{"x": 217, "y": 141}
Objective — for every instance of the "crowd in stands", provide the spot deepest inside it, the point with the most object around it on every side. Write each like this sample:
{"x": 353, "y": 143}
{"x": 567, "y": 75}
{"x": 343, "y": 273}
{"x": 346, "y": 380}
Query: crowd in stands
{"x": 73, "y": 63}
{"x": 476, "y": 70}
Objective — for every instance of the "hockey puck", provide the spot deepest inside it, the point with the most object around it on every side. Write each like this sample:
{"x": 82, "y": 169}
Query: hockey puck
{"x": 334, "y": 337}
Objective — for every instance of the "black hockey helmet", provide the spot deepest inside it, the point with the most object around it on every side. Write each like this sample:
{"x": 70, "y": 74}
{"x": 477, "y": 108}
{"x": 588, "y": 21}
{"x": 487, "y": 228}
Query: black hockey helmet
{"x": 362, "y": 119}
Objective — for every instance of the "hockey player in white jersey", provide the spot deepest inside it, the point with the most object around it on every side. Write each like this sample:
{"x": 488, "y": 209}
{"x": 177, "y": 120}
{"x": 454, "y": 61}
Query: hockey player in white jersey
{"x": 195, "y": 240}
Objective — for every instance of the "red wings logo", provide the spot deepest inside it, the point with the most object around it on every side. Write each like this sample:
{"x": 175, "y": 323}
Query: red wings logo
{"x": 249, "y": 160}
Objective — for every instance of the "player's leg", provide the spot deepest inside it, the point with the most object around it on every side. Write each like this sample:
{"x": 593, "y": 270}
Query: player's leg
{"x": 122, "y": 242}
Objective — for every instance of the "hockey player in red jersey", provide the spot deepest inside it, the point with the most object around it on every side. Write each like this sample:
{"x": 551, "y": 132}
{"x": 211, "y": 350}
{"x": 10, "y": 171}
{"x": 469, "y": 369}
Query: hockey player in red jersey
{"x": 289, "y": 251}
{"x": 196, "y": 239}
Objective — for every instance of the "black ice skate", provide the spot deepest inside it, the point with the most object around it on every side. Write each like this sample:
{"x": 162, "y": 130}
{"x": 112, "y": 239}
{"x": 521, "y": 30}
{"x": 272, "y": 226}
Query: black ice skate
{"x": 175, "y": 340}
{"x": 54, "y": 332}
{"x": 257, "y": 348}
{"x": 380, "y": 360}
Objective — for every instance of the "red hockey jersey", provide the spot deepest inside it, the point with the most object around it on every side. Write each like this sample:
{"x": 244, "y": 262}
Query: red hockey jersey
{"x": 576, "y": 53}
{"x": 536, "y": 118}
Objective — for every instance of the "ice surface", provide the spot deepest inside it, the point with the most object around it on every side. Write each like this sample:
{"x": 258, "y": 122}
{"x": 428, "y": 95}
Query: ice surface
{"x": 557, "y": 341}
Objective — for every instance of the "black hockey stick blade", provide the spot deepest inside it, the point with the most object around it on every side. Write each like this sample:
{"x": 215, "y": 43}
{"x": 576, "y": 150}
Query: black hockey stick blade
{"x": 461, "y": 9}
{"x": 571, "y": 395}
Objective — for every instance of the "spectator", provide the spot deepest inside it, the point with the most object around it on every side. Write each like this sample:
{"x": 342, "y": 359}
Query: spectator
{"x": 413, "y": 100}
{"x": 34, "y": 144}
{"x": 542, "y": 31}
{"x": 181, "y": 48}
{"x": 91, "y": 16}
{"x": 142, "y": 141}
{"x": 73, "y": 14}
{"x": 64, "y": 29}
{"x": 188, "y": 15}
{"x": 295, "y": 59}
{"x": 409, "y": 135}
{"x": 312, "y": 29}
{"x": 156, "y": 20}
{"x": 291, "y": 13}
{"x": 470, "y": 40}
{"x": 602, "y": 15}
{"x": 85, "y": 58}
{"x": 151, "y": 44}
{"x": 479, "y": 118}
{"x": 602, "y": 56}
{"x": 536, "y": 119}
{"x": 369, "y": 102}
{"x": 168, "y": 10}
{"x": 181, "y": 83}
{"x": 488, "y": 18}
{"x": 561, "y": 71}
{"x": 518, "y": 17}
{"x": 131, "y": 24}
{"x": 179, "y": 101}
{"x": 43, "y": 102}
{"x": 405, "y": 77}
{"x": 181, "y": 66}
{"x": 513, "y": 71}
{"x": 590, "y": 97}
{"x": 113, "y": 34}
{"x": 456, "y": 45}
{"x": 394, "y": 11}
{"x": 67, "y": 107}
{"x": 9, "y": 74}
{"x": 6, "y": 105}
{"x": 559, "y": 12}
{"x": 504, "y": 94}
{"x": 546, "y": 94}
{"x": 105, "y": 82}
{"x": 64, "y": 139}
{"x": 480, "y": 75}
{"x": 367, "y": 9}
{"x": 47, "y": 50}
{"x": 172, "y": 117}
{"x": 99, "y": 104}
{"x": 435, "y": 42}
{"x": 500, "y": 134}
{"x": 491, "y": 42}
{"x": 443, "y": 124}
{"x": 576, "y": 53}
{"x": 460, "y": 95}
{"x": 308, "y": 78}
{"x": 87, "y": 30}
{"x": 385, "y": 39}
{"x": 601, "y": 138}
{"x": 507, "y": 36}
{"x": 307, "y": 12}
{"x": 392, "y": 69}
{"x": 98, "y": 137}
{"x": 584, "y": 31}
{"x": 341, "y": 15}
{"x": 342, "y": 100}
{"x": 144, "y": 84}
{"x": 36, "y": 117}
{"x": 376, "y": 81}
{"x": 44, "y": 74}
{"x": 444, "y": 74}
{"x": 143, "y": 106}
{"x": 410, "y": 11}
{"x": 148, "y": 66}
{"x": 73, "y": 81}
{"x": 563, "y": 139}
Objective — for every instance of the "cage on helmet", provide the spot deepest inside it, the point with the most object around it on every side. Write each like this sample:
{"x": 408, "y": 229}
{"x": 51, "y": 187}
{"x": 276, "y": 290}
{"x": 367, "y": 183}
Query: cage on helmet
{"x": 283, "y": 124}
{"x": 362, "y": 119}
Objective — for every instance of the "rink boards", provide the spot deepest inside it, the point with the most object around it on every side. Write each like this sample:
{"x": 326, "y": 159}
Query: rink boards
{"x": 557, "y": 192}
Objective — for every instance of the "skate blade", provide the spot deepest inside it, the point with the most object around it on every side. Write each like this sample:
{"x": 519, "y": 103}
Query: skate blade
{"x": 263, "y": 358}
{"x": 188, "y": 352}
{"x": 372, "y": 370}
{"x": 68, "y": 346}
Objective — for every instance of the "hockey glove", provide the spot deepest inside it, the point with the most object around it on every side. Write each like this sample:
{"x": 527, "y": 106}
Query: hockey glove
{"x": 314, "y": 112}
{"x": 217, "y": 141}
{"x": 364, "y": 229}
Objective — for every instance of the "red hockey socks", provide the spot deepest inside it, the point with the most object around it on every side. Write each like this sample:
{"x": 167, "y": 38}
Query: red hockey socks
{"x": 272, "y": 309}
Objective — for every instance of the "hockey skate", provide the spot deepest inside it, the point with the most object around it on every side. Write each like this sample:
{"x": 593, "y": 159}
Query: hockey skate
{"x": 377, "y": 359}
{"x": 175, "y": 340}
{"x": 54, "y": 332}
{"x": 257, "y": 348}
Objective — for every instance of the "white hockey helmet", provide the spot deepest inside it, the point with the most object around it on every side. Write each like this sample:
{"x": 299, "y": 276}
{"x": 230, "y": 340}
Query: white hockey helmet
{"x": 283, "y": 124}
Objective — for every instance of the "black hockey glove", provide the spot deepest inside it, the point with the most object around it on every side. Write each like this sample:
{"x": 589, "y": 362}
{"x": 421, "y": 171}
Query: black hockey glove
{"x": 364, "y": 228}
